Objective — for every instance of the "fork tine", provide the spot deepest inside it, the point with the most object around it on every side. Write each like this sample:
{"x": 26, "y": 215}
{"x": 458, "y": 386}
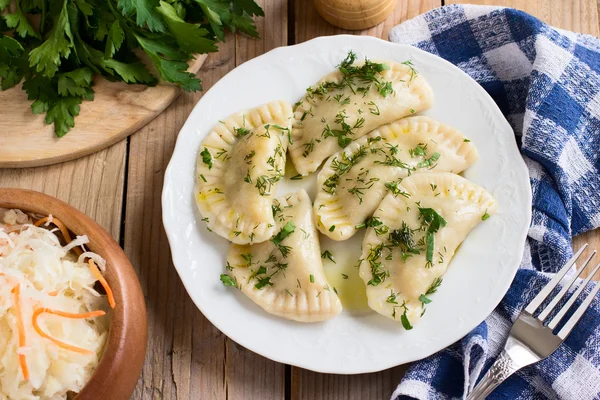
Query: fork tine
{"x": 572, "y": 299}
{"x": 564, "y": 332}
{"x": 537, "y": 301}
{"x": 546, "y": 311}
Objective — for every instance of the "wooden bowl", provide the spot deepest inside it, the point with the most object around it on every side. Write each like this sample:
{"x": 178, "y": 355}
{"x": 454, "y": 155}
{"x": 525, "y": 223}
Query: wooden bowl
{"x": 120, "y": 365}
{"x": 355, "y": 14}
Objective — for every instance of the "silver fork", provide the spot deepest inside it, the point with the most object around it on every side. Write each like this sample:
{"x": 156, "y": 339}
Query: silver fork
{"x": 529, "y": 340}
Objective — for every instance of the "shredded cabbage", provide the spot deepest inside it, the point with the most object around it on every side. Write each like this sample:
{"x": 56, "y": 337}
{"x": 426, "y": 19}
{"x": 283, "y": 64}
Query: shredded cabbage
{"x": 49, "y": 276}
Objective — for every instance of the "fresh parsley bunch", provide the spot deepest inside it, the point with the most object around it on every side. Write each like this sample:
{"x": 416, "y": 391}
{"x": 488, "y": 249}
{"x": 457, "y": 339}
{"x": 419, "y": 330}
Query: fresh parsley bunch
{"x": 56, "y": 46}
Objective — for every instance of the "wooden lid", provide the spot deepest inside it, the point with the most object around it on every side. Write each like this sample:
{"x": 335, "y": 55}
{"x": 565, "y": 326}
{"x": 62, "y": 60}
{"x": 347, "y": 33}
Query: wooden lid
{"x": 355, "y": 14}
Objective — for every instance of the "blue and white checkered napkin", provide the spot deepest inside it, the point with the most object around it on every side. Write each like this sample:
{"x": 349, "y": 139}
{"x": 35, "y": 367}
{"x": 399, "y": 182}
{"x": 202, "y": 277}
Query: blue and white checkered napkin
{"x": 546, "y": 81}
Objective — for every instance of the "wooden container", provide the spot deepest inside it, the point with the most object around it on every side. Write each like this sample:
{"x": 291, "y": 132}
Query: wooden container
{"x": 119, "y": 368}
{"x": 355, "y": 14}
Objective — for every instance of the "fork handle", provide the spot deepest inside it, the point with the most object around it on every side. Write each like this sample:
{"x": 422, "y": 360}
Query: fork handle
{"x": 500, "y": 370}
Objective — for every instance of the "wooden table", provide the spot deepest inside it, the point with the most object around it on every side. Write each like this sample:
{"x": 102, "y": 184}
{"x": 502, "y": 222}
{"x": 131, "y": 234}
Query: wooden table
{"x": 120, "y": 188}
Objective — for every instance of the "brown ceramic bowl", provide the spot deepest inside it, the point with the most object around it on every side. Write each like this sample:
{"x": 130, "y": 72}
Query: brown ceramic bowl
{"x": 120, "y": 365}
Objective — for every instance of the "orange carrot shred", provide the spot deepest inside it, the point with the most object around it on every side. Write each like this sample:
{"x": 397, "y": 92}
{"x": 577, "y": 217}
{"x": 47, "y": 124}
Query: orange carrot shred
{"x": 96, "y": 272}
{"x": 63, "y": 229}
{"x": 16, "y": 292}
{"x": 64, "y": 345}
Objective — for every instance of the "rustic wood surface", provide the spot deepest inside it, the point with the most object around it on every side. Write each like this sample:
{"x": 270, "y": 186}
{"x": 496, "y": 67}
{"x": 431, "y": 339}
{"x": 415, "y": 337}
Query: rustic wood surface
{"x": 120, "y": 188}
{"x": 118, "y": 110}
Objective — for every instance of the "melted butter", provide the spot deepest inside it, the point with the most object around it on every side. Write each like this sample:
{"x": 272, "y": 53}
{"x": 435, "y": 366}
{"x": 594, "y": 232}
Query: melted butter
{"x": 351, "y": 290}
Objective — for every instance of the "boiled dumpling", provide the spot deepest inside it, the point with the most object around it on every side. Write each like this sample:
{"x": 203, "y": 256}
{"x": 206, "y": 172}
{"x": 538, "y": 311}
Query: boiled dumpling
{"x": 285, "y": 274}
{"x": 404, "y": 258}
{"x": 353, "y": 182}
{"x": 349, "y": 103}
{"x": 238, "y": 169}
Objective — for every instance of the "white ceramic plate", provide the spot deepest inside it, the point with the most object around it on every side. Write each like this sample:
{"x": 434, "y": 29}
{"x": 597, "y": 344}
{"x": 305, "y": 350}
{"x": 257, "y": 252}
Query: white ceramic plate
{"x": 354, "y": 342}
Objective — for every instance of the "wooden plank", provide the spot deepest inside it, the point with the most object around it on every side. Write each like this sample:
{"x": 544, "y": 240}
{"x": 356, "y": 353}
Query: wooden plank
{"x": 307, "y": 384}
{"x": 186, "y": 353}
{"x": 575, "y": 15}
{"x": 187, "y": 357}
{"x": 92, "y": 184}
{"x": 247, "y": 374}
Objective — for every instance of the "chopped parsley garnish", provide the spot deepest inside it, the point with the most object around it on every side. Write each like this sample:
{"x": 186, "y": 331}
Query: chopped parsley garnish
{"x": 420, "y": 150}
{"x": 296, "y": 177}
{"x": 327, "y": 254}
{"x": 248, "y": 258}
{"x": 466, "y": 140}
{"x": 332, "y": 228}
{"x": 424, "y": 299}
{"x": 344, "y": 276}
{"x": 286, "y": 231}
{"x": 248, "y": 178}
{"x": 288, "y": 292}
{"x": 485, "y": 216}
{"x": 433, "y": 221}
{"x": 308, "y": 148}
{"x": 370, "y": 222}
{"x": 207, "y": 158}
{"x": 374, "y": 109}
{"x": 248, "y": 157}
{"x": 241, "y": 132}
{"x": 434, "y": 286}
{"x": 413, "y": 71}
{"x": 276, "y": 208}
{"x": 227, "y": 281}
{"x": 374, "y": 259}
{"x": 405, "y": 322}
{"x": 203, "y": 178}
{"x": 429, "y": 162}
{"x": 343, "y": 133}
{"x": 342, "y": 165}
{"x": 264, "y": 183}
{"x": 264, "y": 281}
{"x": 391, "y": 299}
{"x": 312, "y": 278}
{"x": 393, "y": 187}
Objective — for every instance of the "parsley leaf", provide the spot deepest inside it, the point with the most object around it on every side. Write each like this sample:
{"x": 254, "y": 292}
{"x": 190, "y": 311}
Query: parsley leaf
{"x": 74, "y": 83}
{"x": 207, "y": 158}
{"x": 145, "y": 12}
{"x": 227, "y": 281}
{"x": 190, "y": 37}
{"x": 46, "y": 57}
{"x": 19, "y": 23}
{"x": 62, "y": 114}
{"x": 114, "y": 39}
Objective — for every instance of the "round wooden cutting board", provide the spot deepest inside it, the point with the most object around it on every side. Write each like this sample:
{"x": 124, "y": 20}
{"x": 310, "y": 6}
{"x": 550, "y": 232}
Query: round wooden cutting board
{"x": 117, "y": 111}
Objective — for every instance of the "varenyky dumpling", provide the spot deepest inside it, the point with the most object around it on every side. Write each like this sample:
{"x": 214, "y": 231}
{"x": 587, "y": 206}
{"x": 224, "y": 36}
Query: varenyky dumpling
{"x": 349, "y": 103}
{"x": 238, "y": 169}
{"x": 352, "y": 182}
{"x": 404, "y": 258}
{"x": 285, "y": 274}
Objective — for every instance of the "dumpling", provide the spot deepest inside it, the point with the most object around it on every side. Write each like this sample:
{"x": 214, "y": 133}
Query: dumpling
{"x": 353, "y": 182}
{"x": 349, "y": 103}
{"x": 238, "y": 169}
{"x": 285, "y": 274}
{"x": 404, "y": 258}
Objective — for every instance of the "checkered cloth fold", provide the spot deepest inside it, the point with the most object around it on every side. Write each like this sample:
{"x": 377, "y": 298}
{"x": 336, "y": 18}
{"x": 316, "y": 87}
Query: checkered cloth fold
{"x": 546, "y": 81}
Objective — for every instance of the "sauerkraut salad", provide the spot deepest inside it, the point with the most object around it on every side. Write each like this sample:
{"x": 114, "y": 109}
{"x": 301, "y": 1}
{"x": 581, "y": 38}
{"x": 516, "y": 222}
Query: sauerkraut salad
{"x": 53, "y": 308}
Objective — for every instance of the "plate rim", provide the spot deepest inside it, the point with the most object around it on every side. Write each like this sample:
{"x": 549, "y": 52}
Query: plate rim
{"x": 490, "y": 104}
